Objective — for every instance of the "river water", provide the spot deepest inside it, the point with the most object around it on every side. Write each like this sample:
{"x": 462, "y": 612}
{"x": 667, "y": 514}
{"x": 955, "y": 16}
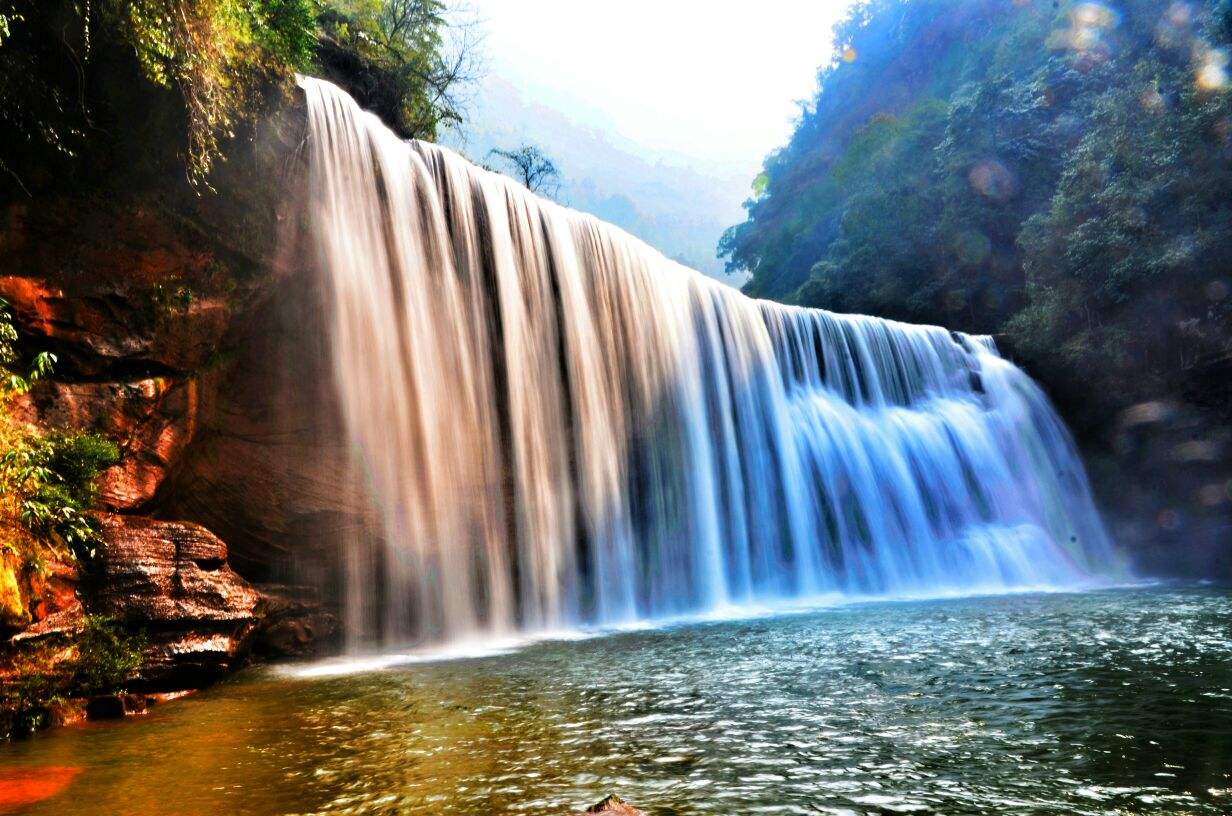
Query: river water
{"x": 1105, "y": 702}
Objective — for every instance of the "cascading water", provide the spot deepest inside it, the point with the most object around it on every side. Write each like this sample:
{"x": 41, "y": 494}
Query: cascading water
{"x": 559, "y": 426}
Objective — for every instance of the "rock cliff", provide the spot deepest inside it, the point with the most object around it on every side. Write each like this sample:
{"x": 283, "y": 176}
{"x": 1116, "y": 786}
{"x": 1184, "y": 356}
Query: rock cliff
{"x": 167, "y": 312}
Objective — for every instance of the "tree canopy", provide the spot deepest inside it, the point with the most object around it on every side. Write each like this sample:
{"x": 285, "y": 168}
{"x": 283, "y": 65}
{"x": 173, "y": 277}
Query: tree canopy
{"x": 1055, "y": 173}
{"x": 75, "y": 75}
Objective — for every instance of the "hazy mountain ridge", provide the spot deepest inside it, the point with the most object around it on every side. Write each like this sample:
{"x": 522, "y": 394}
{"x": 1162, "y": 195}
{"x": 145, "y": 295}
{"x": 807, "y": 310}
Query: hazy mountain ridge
{"x": 678, "y": 208}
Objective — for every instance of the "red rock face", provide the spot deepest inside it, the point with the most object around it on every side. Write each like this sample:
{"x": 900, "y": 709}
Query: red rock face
{"x": 58, "y": 606}
{"x": 127, "y": 368}
{"x": 104, "y": 333}
{"x": 155, "y": 305}
{"x": 171, "y": 579}
{"x": 151, "y": 420}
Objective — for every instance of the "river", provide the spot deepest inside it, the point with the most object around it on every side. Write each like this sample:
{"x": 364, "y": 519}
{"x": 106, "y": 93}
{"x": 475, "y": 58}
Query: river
{"x": 1116, "y": 701}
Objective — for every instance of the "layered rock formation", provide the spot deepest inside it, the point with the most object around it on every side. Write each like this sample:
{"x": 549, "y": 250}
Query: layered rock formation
{"x": 171, "y": 580}
{"x": 162, "y": 308}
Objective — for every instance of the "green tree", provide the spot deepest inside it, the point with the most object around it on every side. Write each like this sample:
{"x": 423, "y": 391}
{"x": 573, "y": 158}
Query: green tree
{"x": 406, "y": 60}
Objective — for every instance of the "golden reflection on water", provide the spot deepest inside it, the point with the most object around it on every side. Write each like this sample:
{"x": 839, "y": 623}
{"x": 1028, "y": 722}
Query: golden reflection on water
{"x": 1106, "y": 703}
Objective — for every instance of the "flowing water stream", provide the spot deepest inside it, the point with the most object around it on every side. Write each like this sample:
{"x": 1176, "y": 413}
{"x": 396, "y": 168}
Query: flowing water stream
{"x": 1107, "y": 702}
{"x": 557, "y": 426}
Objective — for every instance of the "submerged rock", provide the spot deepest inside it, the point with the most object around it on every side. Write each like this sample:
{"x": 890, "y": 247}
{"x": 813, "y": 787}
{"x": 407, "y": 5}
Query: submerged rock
{"x": 612, "y": 804}
{"x": 171, "y": 580}
{"x": 292, "y": 626}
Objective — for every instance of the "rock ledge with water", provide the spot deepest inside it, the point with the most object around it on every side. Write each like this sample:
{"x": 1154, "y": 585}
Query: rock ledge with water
{"x": 171, "y": 580}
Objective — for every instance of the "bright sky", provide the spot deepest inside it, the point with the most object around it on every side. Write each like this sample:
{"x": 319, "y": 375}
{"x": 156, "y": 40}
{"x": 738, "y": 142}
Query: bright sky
{"x": 715, "y": 81}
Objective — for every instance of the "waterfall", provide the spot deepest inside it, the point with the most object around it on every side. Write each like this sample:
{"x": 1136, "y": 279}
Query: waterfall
{"x": 558, "y": 426}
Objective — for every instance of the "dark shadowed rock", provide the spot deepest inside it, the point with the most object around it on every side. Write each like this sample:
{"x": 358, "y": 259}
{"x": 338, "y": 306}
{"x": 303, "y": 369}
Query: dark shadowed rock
{"x": 171, "y": 580}
{"x": 292, "y": 626}
{"x": 612, "y": 804}
{"x": 55, "y": 608}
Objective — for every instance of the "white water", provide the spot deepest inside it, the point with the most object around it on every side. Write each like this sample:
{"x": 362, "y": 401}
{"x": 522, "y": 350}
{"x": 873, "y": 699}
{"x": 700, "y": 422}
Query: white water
{"x": 558, "y": 426}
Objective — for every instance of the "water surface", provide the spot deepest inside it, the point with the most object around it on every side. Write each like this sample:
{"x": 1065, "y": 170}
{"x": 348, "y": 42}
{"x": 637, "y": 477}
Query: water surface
{"x": 1099, "y": 703}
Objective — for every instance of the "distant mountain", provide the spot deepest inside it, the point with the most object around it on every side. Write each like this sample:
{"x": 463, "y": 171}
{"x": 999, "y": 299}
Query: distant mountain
{"x": 671, "y": 202}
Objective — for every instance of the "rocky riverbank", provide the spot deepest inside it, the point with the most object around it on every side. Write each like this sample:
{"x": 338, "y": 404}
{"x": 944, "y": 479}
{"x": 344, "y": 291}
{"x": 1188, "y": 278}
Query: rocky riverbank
{"x": 167, "y": 585}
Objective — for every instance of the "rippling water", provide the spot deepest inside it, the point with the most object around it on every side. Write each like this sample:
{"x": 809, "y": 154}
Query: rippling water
{"x": 1099, "y": 703}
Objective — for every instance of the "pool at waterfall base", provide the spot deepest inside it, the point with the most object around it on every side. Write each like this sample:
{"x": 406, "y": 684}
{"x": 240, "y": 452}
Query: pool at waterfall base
{"x": 1103, "y": 702}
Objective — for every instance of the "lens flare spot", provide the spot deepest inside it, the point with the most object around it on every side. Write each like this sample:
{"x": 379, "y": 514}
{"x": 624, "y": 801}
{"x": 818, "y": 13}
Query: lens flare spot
{"x": 1169, "y": 520}
{"x": 1213, "y": 495}
{"x": 1151, "y": 100}
{"x": 992, "y": 179}
{"x": 850, "y": 54}
{"x": 1085, "y": 34}
{"x": 1179, "y": 14}
{"x": 1094, "y": 16}
{"x": 972, "y": 247}
{"x": 1212, "y": 72}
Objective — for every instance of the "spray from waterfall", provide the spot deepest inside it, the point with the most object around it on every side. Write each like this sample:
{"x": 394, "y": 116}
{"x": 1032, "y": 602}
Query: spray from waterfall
{"x": 557, "y": 426}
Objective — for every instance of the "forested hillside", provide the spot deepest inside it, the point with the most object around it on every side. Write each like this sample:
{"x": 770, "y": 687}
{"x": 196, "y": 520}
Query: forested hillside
{"x": 95, "y": 92}
{"x": 1053, "y": 173}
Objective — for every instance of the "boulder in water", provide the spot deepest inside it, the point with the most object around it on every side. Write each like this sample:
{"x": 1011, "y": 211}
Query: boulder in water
{"x": 171, "y": 580}
{"x": 612, "y": 804}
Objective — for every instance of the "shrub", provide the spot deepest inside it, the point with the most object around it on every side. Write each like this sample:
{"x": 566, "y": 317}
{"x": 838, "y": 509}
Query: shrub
{"x": 47, "y": 675}
{"x": 52, "y": 480}
{"x": 219, "y": 56}
{"x": 46, "y": 480}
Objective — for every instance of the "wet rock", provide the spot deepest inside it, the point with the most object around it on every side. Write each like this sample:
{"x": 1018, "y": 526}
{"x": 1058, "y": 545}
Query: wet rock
{"x": 117, "y": 706}
{"x": 54, "y": 591}
{"x": 13, "y": 613}
{"x": 107, "y": 707}
{"x": 612, "y": 804}
{"x": 293, "y": 626}
{"x": 37, "y": 602}
{"x": 171, "y": 580}
{"x": 55, "y": 605}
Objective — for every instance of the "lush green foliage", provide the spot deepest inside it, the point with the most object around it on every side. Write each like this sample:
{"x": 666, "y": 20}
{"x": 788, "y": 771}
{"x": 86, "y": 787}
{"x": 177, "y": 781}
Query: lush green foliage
{"x": 46, "y": 480}
{"x": 218, "y": 55}
{"x": 1055, "y": 173}
{"x": 392, "y": 56}
{"x": 51, "y": 477}
{"x": 45, "y": 676}
{"x": 12, "y": 380}
{"x": 74, "y": 72}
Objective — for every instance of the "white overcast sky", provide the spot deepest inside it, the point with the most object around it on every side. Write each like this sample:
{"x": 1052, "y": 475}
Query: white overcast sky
{"x": 716, "y": 82}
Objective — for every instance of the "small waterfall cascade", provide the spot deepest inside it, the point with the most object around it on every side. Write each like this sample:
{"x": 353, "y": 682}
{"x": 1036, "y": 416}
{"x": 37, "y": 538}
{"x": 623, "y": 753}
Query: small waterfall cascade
{"x": 557, "y": 426}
